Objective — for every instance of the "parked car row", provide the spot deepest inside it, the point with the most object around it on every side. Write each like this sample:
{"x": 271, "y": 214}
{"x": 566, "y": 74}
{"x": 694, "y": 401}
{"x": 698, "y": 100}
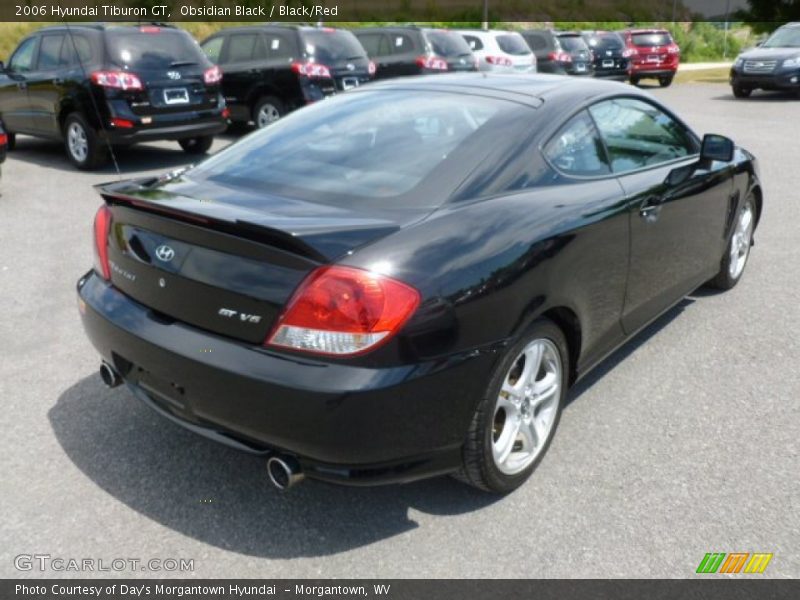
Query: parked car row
{"x": 96, "y": 86}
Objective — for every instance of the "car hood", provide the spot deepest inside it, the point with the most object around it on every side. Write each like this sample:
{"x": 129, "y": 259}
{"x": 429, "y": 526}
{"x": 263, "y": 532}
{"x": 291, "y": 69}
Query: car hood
{"x": 770, "y": 53}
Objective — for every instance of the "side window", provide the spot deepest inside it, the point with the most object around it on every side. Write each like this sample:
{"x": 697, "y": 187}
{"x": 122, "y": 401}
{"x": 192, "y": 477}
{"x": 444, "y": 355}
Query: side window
{"x": 242, "y": 47}
{"x": 577, "y": 149}
{"x": 372, "y": 43}
{"x": 213, "y": 48}
{"x": 50, "y": 53}
{"x": 474, "y": 42}
{"x": 76, "y": 48}
{"x": 401, "y": 44}
{"x": 278, "y": 46}
{"x": 22, "y": 61}
{"x": 637, "y": 134}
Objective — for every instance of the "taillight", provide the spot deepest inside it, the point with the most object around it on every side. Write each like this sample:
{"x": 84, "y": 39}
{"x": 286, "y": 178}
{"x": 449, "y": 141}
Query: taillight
{"x": 311, "y": 70}
{"x": 122, "y": 123}
{"x": 150, "y": 29}
{"x": 673, "y": 49}
{"x": 119, "y": 80}
{"x": 226, "y": 113}
{"x": 501, "y": 61}
{"x": 212, "y": 75}
{"x": 560, "y": 57}
{"x": 628, "y": 52}
{"x": 371, "y": 68}
{"x": 432, "y": 62}
{"x": 344, "y": 311}
{"x": 3, "y": 139}
{"x": 102, "y": 227}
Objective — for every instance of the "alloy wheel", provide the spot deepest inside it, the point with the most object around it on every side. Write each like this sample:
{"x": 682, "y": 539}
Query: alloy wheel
{"x": 267, "y": 114}
{"x": 78, "y": 142}
{"x": 741, "y": 240}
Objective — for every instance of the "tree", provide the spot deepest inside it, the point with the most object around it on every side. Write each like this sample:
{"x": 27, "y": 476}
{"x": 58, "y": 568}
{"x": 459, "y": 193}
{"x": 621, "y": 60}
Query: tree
{"x": 767, "y": 15}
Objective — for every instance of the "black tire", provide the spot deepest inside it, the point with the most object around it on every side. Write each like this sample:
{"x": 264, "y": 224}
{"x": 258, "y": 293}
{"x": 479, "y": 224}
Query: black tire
{"x": 478, "y": 467}
{"x": 724, "y": 279}
{"x": 741, "y": 92}
{"x": 273, "y": 106}
{"x": 12, "y": 141}
{"x": 95, "y": 154}
{"x": 197, "y": 145}
{"x": 635, "y": 80}
{"x": 665, "y": 81}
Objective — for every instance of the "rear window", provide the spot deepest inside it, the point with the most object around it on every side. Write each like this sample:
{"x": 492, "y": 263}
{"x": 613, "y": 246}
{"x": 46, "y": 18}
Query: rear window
{"x": 332, "y": 45}
{"x": 367, "y": 146}
{"x": 652, "y": 39}
{"x": 513, "y": 44}
{"x": 157, "y": 49}
{"x": 606, "y": 41}
{"x": 572, "y": 43}
{"x": 447, "y": 43}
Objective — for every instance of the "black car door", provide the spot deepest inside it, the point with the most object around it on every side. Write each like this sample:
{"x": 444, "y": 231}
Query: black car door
{"x": 241, "y": 67}
{"x": 15, "y": 107}
{"x": 46, "y": 85}
{"x": 678, "y": 205}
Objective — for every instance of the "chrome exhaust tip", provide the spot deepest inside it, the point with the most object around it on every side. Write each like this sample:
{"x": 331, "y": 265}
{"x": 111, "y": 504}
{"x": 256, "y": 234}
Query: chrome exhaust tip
{"x": 284, "y": 472}
{"x": 109, "y": 375}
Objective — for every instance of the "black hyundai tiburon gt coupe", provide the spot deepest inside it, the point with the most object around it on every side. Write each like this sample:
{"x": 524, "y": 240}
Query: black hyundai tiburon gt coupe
{"x": 404, "y": 280}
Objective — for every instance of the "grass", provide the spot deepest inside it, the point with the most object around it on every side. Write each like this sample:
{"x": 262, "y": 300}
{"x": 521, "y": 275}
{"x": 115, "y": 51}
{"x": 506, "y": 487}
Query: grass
{"x": 716, "y": 75}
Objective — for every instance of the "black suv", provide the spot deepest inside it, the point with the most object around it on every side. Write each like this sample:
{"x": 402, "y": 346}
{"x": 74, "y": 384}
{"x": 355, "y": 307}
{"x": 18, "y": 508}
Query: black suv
{"x": 611, "y": 55}
{"x": 774, "y": 65}
{"x": 270, "y": 70}
{"x": 98, "y": 85}
{"x": 409, "y": 50}
{"x": 561, "y": 52}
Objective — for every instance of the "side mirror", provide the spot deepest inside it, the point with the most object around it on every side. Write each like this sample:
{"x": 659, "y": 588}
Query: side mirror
{"x": 716, "y": 147}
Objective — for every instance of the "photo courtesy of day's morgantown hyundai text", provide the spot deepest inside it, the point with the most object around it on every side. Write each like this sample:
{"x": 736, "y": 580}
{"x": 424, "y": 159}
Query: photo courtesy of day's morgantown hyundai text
{"x": 405, "y": 280}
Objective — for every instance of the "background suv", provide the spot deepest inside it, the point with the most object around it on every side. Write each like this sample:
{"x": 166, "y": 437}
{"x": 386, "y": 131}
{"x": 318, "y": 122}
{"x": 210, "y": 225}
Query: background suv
{"x": 653, "y": 54}
{"x": 409, "y": 50}
{"x": 96, "y": 85}
{"x": 271, "y": 70}
{"x": 504, "y": 51}
{"x": 775, "y": 65}
{"x": 564, "y": 53}
{"x": 610, "y": 55}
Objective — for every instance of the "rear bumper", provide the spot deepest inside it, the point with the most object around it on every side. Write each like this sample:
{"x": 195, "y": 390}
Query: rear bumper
{"x": 343, "y": 423}
{"x": 645, "y": 70}
{"x": 166, "y": 130}
{"x": 788, "y": 79}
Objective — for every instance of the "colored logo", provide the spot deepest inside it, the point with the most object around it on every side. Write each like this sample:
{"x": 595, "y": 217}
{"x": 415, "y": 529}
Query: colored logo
{"x": 735, "y": 562}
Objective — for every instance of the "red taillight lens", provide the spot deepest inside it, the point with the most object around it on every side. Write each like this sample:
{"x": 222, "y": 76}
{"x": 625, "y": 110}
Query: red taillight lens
{"x": 226, "y": 113}
{"x": 628, "y": 52}
{"x": 673, "y": 49}
{"x": 432, "y": 62}
{"x": 560, "y": 57}
{"x": 119, "y": 80}
{"x": 212, "y": 76}
{"x": 122, "y": 123}
{"x": 3, "y": 139}
{"x": 150, "y": 29}
{"x": 102, "y": 227}
{"x": 344, "y": 311}
{"x": 371, "y": 68}
{"x": 501, "y": 61}
{"x": 311, "y": 70}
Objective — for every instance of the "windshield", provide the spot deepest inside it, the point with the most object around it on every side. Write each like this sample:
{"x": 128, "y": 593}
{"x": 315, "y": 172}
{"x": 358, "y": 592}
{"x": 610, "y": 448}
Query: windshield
{"x": 512, "y": 43}
{"x": 606, "y": 41}
{"x": 153, "y": 48}
{"x": 652, "y": 39}
{"x": 786, "y": 37}
{"x": 447, "y": 43}
{"x": 572, "y": 43}
{"x": 330, "y": 46}
{"x": 371, "y": 145}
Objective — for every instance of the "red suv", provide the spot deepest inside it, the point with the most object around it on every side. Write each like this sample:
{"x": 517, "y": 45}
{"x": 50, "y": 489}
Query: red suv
{"x": 655, "y": 55}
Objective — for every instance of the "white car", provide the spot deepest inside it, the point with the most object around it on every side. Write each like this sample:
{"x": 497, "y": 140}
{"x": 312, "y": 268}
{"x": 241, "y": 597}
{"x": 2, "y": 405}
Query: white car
{"x": 500, "y": 51}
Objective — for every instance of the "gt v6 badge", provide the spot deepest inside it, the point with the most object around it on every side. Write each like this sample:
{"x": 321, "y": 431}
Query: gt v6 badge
{"x": 244, "y": 317}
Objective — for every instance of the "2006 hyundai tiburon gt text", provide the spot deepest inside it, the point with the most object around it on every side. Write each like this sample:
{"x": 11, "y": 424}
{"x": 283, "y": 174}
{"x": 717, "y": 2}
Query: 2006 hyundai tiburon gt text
{"x": 404, "y": 280}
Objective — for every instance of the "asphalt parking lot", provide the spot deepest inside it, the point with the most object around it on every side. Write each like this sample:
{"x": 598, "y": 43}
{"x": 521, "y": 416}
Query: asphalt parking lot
{"x": 687, "y": 441}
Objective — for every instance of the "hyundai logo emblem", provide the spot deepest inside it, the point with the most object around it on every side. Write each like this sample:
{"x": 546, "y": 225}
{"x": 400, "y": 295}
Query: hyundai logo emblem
{"x": 351, "y": 67}
{"x": 164, "y": 253}
{"x": 173, "y": 74}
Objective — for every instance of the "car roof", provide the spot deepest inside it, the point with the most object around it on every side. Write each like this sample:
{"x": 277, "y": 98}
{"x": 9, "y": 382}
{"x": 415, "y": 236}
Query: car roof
{"x": 530, "y": 89}
{"x": 104, "y": 27}
{"x": 646, "y": 30}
